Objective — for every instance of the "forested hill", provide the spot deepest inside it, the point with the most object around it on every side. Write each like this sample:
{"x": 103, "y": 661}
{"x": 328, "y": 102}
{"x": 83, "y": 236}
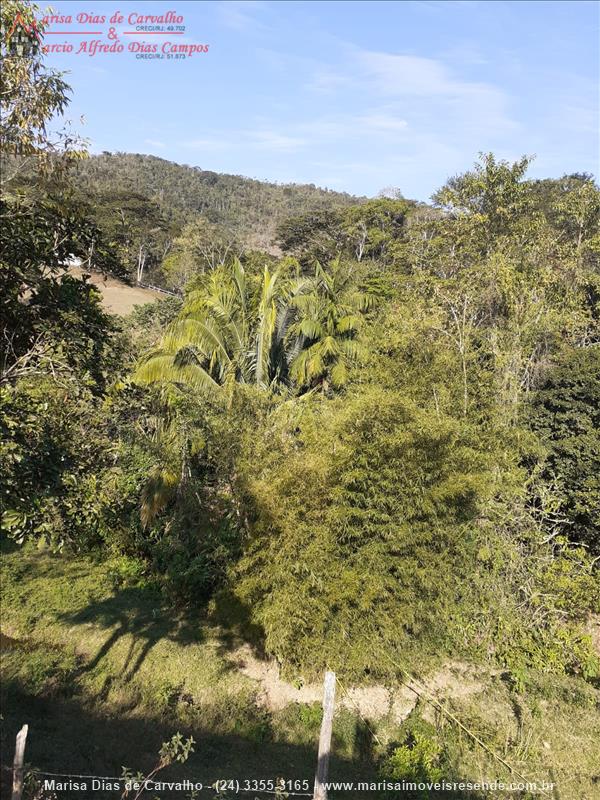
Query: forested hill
{"x": 249, "y": 208}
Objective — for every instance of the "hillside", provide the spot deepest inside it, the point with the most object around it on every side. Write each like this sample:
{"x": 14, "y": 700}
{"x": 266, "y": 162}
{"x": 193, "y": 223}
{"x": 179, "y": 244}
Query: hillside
{"x": 296, "y": 482}
{"x": 104, "y": 671}
{"x": 247, "y": 207}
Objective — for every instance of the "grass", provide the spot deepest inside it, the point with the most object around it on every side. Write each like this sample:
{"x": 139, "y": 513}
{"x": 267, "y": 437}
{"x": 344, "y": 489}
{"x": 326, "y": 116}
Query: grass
{"x": 549, "y": 733}
{"x": 117, "y": 296}
{"x": 103, "y": 677}
{"x": 104, "y": 673}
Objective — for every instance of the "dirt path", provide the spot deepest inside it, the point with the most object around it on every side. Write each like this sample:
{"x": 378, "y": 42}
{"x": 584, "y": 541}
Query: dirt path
{"x": 455, "y": 679}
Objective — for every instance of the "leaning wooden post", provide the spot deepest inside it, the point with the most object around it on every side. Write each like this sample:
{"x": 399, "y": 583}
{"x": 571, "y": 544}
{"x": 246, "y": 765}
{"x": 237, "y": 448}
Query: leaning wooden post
{"x": 17, "y": 787}
{"x": 320, "y": 792}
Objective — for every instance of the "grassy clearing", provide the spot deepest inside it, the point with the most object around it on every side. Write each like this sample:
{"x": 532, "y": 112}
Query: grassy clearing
{"x": 117, "y": 296}
{"x": 104, "y": 673}
{"x": 550, "y": 733}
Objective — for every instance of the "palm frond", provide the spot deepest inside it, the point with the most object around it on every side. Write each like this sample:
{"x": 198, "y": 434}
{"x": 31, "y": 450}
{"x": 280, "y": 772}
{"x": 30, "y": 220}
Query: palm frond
{"x": 329, "y": 347}
{"x": 352, "y": 349}
{"x": 348, "y": 323}
{"x": 239, "y": 277}
{"x": 339, "y": 374}
{"x": 164, "y": 368}
{"x": 311, "y": 328}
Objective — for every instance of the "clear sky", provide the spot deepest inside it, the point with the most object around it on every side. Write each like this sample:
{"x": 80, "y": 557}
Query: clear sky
{"x": 355, "y": 96}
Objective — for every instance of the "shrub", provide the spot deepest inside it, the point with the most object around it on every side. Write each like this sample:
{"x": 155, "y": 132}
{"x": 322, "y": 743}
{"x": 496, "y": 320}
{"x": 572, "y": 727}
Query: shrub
{"x": 360, "y": 518}
{"x": 417, "y": 758}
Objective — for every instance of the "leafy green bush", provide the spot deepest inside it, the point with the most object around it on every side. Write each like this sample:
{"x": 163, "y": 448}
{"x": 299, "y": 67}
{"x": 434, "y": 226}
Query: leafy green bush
{"x": 418, "y": 757}
{"x": 361, "y": 529}
{"x": 126, "y": 571}
{"x": 54, "y": 448}
{"x": 415, "y": 761}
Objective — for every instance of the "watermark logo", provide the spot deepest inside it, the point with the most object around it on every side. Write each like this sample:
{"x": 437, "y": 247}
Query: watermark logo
{"x": 22, "y": 38}
{"x": 155, "y": 36}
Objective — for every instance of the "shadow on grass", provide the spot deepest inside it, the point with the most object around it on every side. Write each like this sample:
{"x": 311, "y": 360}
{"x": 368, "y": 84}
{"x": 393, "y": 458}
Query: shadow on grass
{"x": 135, "y": 612}
{"x": 235, "y": 625}
{"x": 140, "y": 614}
{"x": 67, "y": 735}
{"x": 74, "y": 733}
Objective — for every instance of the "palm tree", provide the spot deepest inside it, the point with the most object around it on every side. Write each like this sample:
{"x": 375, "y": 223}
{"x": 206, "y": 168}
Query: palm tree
{"x": 228, "y": 330}
{"x": 268, "y": 334}
{"x": 173, "y": 444}
{"x": 329, "y": 319}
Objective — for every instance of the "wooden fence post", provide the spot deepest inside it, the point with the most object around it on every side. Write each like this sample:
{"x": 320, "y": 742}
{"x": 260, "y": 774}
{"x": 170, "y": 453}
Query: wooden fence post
{"x": 17, "y": 787}
{"x": 320, "y": 792}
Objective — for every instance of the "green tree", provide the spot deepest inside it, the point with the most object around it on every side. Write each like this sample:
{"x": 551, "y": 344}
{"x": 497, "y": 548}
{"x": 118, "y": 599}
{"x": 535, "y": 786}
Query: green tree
{"x": 55, "y": 452}
{"x": 494, "y": 190}
{"x": 565, "y": 413}
{"x": 32, "y": 94}
{"x": 201, "y": 246}
{"x": 137, "y": 229}
{"x": 330, "y": 318}
{"x": 48, "y": 316}
{"x": 229, "y": 329}
{"x": 313, "y": 236}
{"x": 374, "y": 228}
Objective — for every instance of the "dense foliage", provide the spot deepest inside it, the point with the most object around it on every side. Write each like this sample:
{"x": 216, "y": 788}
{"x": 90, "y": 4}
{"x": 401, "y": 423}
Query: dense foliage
{"x": 437, "y": 494}
{"x": 362, "y": 514}
{"x": 565, "y": 412}
{"x": 378, "y": 442}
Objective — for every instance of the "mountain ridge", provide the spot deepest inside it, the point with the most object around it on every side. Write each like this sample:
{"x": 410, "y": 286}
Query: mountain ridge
{"x": 248, "y": 207}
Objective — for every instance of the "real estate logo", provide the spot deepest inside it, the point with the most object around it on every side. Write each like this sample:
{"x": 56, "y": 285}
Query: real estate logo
{"x": 154, "y": 36}
{"x": 22, "y": 38}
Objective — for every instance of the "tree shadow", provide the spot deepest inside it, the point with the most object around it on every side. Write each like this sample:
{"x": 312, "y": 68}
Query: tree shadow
{"x": 75, "y": 733}
{"x": 136, "y": 613}
{"x": 233, "y": 620}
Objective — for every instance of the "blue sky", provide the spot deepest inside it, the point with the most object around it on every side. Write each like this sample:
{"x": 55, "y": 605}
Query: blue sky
{"x": 355, "y": 96}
